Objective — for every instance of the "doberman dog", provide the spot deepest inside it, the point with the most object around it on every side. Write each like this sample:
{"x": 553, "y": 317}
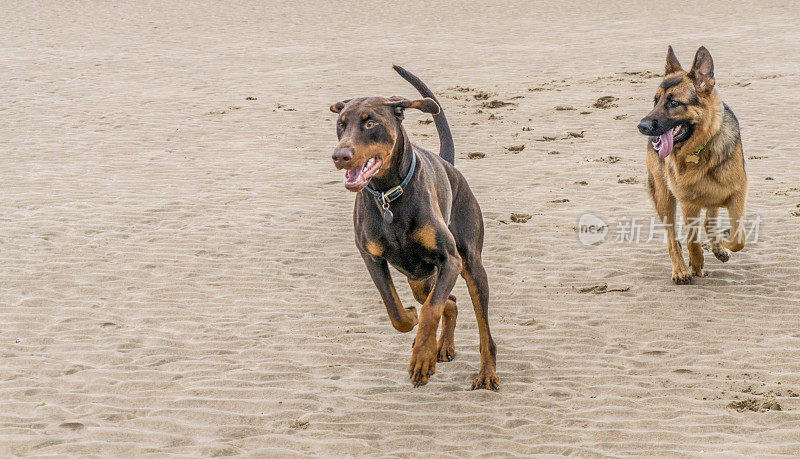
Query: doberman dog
{"x": 415, "y": 210}
{"x": 695, "y": 158}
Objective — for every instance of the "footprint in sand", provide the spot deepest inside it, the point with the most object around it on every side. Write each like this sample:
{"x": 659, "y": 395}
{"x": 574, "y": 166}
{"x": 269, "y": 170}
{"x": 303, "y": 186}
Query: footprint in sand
{"x": 74, "y": 426}
{"x": 607, "y": 159}
{"x": 605, "y": 102}
{"x": 752, "y": 404}
{"x": 497, "y": 104}
{"x": 574, "y": 135}
{"x": 600, "y": 288}
{"x": 520, "y": 218}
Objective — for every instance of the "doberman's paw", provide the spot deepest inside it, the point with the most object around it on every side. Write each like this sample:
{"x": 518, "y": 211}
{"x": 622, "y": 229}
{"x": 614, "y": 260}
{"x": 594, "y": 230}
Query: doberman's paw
{"x": 413, "y": 311}
{"x": 447, "y": 352}
{"x": 722, "y": 254}
{"x": 423, "y": 364}
{"x": 487, "y": 379}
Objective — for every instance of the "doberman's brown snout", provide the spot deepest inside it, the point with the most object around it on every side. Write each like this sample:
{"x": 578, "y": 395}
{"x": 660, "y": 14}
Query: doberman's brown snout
{"x": 342, "y": 158}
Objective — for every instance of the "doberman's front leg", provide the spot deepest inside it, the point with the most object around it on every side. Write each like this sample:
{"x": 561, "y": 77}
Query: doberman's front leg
{"x": 447, "y": 345}
{"x": 425, "y": 351}
{"x": 402, "y": 319}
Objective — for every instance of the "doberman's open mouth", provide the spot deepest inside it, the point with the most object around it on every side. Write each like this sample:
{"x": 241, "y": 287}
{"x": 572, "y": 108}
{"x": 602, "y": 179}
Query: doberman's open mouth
{"x": 356, "y": 179}
{"x": 663, "y": 144}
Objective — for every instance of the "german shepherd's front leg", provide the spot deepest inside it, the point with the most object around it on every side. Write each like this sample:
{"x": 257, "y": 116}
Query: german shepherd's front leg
{"x": 665, "y": 205}
{"x": 403, "y": 320}
{"x": 424, "y": 353}
{"x": 691, "y": 216}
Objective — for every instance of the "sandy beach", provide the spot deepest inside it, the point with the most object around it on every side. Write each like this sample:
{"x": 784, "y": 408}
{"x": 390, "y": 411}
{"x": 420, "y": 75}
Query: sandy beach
{"x": 177, "y": 268}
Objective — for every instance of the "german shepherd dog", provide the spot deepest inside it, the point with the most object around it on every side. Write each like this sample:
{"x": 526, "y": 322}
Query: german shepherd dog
{"x": 695, "y": 158}
{"x": 415, "y": 211}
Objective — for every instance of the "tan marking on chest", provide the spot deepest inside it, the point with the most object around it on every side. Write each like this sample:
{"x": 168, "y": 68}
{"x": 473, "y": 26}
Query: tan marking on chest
{"x": 426, "y": 236}
{"x": 374, "y": 248}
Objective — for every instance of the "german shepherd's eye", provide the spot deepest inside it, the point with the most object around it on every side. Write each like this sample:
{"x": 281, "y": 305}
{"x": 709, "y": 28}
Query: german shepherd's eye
{"x": 369, "y": 124}
{"x": 655, "y": 101}
{"x": 674, "y": 104}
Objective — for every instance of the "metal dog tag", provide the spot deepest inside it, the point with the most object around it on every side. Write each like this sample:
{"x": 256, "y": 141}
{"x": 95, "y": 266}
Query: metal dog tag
{"x": 388, "y": 216}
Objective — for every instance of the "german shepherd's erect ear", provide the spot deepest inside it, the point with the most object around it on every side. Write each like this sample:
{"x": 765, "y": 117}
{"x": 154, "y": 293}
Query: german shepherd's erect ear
{"x": 672, "y": 62}
{"x": 702, "y": 72}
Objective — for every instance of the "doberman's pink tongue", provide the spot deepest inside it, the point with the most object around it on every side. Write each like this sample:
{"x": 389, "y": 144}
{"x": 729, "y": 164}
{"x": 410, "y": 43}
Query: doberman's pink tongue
{"x": 666, "y": 144}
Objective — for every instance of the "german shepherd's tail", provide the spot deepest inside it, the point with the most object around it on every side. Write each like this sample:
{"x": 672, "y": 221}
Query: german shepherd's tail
{"x": 446, "y": 148}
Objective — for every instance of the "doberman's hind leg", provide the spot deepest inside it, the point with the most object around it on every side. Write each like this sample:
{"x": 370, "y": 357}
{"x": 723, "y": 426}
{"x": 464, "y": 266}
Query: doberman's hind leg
{"x": 402, "y": 319}
{"x": 478, "y": 286}
{"x": 446, "y": 347}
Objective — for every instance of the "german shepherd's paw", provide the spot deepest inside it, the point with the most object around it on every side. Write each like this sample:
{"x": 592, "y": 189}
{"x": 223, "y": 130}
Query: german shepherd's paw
{"x": 681, "y": 276}
{"x": 698, "y": 273}
{"x": 423, "y": 364}
{"x": 721, "y": 253}
{"x": 487, "y": 379}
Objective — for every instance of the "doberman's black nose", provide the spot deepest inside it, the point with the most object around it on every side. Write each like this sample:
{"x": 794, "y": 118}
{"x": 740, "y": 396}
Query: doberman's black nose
{"x": 342, "y": 157}
{"x": 647, "y": 126}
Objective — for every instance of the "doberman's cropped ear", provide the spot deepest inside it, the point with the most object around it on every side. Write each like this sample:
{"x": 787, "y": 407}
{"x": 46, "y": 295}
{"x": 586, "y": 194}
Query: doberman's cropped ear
{"x": 338, "y": 106}
{"x": 703, "y": 70}
{"x": 672, "y": 62}
{"x": 426, "y": 105}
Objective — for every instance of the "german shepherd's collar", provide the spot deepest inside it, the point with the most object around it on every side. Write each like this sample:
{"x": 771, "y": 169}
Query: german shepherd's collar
{"x": 695, "y": 160}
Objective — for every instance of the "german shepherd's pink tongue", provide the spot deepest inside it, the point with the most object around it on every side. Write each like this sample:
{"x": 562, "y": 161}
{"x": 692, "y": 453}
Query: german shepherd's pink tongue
{"x": 663, "y": 144}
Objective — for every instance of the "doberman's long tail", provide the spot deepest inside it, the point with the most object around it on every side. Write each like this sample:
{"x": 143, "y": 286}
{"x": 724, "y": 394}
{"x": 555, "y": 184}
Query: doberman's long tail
{"x": 446, "y": 148}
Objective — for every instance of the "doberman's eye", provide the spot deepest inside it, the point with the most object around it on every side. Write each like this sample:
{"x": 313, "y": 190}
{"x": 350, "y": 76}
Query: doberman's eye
{"x": 340, "y": 123}
{"x": 369, "y": 124}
